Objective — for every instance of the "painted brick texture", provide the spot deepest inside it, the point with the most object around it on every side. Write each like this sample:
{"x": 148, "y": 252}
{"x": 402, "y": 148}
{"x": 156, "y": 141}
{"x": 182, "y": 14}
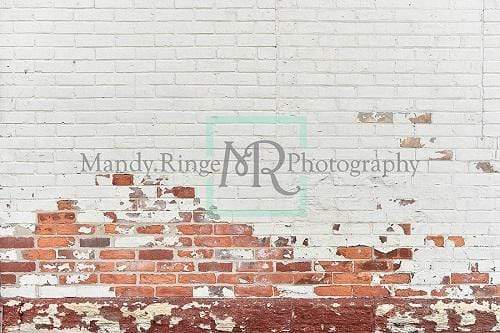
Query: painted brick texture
{"x": 370, "y": 78}
{"x": 182, "y": 251}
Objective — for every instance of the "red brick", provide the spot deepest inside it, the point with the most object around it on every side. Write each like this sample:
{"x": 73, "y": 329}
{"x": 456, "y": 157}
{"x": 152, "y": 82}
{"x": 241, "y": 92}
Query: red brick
{"x": 66, "y": 204}
{"x": 91, "y": 279}
{"x": 350, "y": 278}
{"x": 135, "y": 266}
{"x": 117, "y": 254}
{"x": 17, "y": 266}
{"x": 123, "y": 179}
{"x": 486, "y": 291}
{"x": 113, "y": 229}
{"x": 251, "y": 241}
{"x": 56, "y": 241}
{"x": 373, "y": 266}
{"x": 150, "y": 229}
{"x": 63, "y": 217}
{"x": 195, "y": 229}
{"x": 457, "y": 240}
{"x": 183, "y": 192}
{"x": 238, "y": 278}
{"x": 312, "y": 278}
{"x": 128, "y": 291}
{"x": 39, "y": 254}
{"x": 469, "y": 278}
{"x": 175, "y": 267}
{"x": 210, "y": 241}
{"x": 7, "y": 279}
{"x": 277, "y": 278}
{"x": 438, "y": 240}
{"x": 186, "y": 241}
{"x": 333, "y": 290}
{"x": 196, "y": 254}
{"x": 401, "y": 253}
{"x": 355, "y": 252}
{"x": 63, "y": 229}
{"x": 232, "y": 229}
{"x": 398, "y": 278}
{"x": 117, "y": 278}
{"x": 406, "y": 228}
{"x": 411, "y": 142}
{"x": 46, "y": 229}
{"x": 199, "y": 215}
{"x": 186, "y": 216}
{"x": 156, "y": 254}
{"x": 174, "y": 291}
{"x": 96, "y": 266}
{"x": 16, "y": 242}
{"x": 206, "y": 278}
{"x": 370, "y": 291}
{"x": 408, "y": 292}
{"x": 255, "y": 266}
{"x": 111, "y": 216}
{"x": 302, "y": 266}
{"x": 215, "y": 267}
{"x": 333, "y": 266}
{"x": 157, "y": 278}
{"x": 94, "y": 242}
{"x": 253, "y": 291}
{"x": 273, "y": 253}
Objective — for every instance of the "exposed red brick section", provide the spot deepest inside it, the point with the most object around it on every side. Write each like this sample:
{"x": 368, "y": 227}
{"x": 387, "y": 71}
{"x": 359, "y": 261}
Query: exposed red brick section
{"x": 192, "y": 254}
{"x": 250, "y": 314}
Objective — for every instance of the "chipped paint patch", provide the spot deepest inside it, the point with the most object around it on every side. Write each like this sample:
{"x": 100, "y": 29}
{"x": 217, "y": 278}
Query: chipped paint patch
{"x": 223, "y": 324}
{"x": 383, "y": 309}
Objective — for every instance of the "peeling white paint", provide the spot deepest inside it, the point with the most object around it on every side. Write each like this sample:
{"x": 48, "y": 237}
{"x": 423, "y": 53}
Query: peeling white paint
{"x": 226, "y": 325}
{"x": 143, "y": 317}
{"x": 403, "y": 323}
{"x": 85, "y": 230}
{"x": 77, "y": 278}
{"x": 383, "y": 309}
{"x": 38, "y": 279}
{"x": 8, "y": 255}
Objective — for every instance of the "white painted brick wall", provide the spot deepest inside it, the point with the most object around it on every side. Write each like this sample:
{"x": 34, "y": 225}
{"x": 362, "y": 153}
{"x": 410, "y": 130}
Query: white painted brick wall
{"x": 125, "y": 76}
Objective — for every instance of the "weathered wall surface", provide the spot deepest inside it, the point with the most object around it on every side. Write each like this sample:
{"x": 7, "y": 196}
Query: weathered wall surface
{"x": 369, "y": 78}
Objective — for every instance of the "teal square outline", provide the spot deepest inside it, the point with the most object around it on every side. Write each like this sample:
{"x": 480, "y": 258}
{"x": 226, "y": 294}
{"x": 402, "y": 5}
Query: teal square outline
{"x": 276, "y": 119}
